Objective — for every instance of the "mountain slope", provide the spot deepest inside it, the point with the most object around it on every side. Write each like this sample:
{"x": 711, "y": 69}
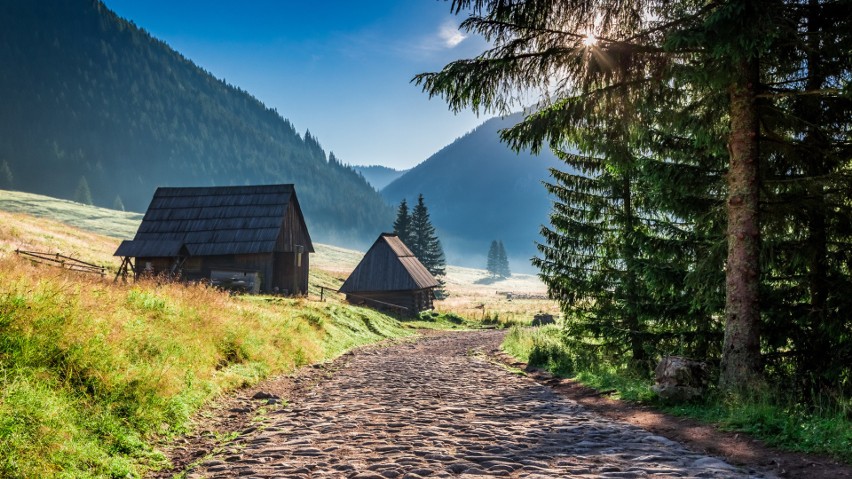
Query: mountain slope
{"x": 478, "y": 190}
{"x": 377, "y": 175}
{"x": 90, "y": 98}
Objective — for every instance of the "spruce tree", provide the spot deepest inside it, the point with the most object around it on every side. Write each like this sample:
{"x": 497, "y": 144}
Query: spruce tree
{"x": 807, "y": 249}
{"x": 590, "y": 256}
{"x": 117, "y": 204}
{"x": 592, "y": 253}
{"x": 609, "y": 57}
{"x": 425, "y": 243}
{"x": 492, "y": 265}
{"x": 7, "y": 181}
{"x": 502, "y": 261}
{"x": 402, "y": 225}
{"x": 83, "y": 194}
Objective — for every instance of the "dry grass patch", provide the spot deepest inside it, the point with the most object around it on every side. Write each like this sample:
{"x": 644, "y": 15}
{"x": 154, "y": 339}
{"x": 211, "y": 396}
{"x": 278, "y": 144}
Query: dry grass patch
{"x": 475, "y": 295}
{"x": 25, "y": 232}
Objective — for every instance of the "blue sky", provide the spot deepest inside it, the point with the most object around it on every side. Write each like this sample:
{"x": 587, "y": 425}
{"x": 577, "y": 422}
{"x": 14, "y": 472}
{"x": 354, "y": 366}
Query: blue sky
{"x": 340, "y": 69}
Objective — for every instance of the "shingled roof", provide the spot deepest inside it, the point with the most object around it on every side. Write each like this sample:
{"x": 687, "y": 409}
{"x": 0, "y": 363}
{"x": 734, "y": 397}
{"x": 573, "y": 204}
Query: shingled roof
{"x": 389, "y": 266}
{"x": 220, "y": 220}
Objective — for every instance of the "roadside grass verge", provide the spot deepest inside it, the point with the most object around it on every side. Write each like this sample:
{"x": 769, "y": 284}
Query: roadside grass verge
{"x": 770, "y": 416}
{"x": 779, "y": 422}
{"x": 92, "y": 373}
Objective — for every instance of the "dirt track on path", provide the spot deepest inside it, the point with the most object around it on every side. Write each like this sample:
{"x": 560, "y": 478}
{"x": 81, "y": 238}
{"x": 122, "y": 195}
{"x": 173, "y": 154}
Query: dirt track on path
{"x": 439, "y": 407}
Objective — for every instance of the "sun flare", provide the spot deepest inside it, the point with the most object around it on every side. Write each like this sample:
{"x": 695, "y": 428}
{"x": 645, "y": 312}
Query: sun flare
{"x": 590, "y": 40}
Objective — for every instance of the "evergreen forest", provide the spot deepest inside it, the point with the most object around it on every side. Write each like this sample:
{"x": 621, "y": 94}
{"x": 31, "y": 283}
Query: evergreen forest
{"x": 704, "y": 201}
{"x": 96, "y": 110}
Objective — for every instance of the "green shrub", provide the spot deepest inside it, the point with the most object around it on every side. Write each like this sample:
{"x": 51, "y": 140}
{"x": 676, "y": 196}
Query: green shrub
{"x": 453, "y": 318}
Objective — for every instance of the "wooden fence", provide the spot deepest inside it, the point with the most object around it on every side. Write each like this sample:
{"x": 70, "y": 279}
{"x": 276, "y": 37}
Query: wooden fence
{"x": 513, "y": 295}
{"x": 395, "y": 308}
{"x": 62, "y": 261}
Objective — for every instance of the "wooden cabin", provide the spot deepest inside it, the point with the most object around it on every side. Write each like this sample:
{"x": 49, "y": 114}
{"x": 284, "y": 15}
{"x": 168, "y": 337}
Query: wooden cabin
{"x": 391, "y": 277}
{"x": 249, "y": 238}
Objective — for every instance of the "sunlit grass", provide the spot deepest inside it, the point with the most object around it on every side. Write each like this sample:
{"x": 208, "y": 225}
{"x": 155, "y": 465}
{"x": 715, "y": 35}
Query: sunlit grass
{"x": 91, "y": 371}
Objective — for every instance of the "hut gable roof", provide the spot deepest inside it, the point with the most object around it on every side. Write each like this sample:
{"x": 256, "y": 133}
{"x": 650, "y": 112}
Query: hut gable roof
{"x": 388, "y": 266}
{"x": 221, "y": 220}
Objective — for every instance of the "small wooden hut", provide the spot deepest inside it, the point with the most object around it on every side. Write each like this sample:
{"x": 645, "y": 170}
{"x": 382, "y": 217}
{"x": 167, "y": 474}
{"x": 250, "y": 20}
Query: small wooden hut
{"x": 250, "y": 238}
{"x": 390, "y": 276}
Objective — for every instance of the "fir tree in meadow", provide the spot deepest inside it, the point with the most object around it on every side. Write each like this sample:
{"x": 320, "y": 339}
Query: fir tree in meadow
{"x": 83, "y": 194}
{"x": 7, "y": 181}
{"x": 402, "y": 224}
{"x": 492, "y": 263}
{"x": 425, "y": 243}
{"x": 502, "y": 261}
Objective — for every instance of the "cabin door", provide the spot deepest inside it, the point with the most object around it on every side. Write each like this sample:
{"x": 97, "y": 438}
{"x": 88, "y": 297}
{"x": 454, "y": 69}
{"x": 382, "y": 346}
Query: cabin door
{"x": 282, "y": 273}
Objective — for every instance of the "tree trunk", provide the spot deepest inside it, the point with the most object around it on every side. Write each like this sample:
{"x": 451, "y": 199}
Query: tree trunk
{"x": 637, "y": 343}
{"x": 741, "y": 349}
{"x": 818, "y": 354}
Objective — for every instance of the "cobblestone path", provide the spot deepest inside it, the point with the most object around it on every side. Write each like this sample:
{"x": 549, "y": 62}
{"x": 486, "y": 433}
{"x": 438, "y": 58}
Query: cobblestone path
{"x": 439, "y": 408}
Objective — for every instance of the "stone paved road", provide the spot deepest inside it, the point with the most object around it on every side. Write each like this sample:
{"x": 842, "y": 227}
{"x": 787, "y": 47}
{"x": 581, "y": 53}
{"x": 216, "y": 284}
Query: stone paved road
{"x": 438, "y": 408}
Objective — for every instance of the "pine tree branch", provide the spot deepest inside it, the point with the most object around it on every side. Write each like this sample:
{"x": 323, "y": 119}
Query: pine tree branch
{"x": 536, "y": 31}
{"x": 665, "y": 26}
{"x": 779, "y": 93}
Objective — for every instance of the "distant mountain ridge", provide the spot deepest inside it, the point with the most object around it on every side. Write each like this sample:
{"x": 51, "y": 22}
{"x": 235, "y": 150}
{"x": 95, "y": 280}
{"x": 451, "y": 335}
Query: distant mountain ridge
{"x": 479, "y": 190}
{"x": 378, "y": 176}
{"x": 89, "y": 96}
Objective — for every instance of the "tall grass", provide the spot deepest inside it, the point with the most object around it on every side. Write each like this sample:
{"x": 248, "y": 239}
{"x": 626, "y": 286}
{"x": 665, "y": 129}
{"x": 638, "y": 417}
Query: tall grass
{"x": 92, "y": 372}
{"x": 823, "y": 426}
{"x": 780, "y": 421}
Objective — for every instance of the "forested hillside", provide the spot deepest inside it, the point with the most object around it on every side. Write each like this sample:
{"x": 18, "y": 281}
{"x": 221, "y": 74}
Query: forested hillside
{"x": 479, "y": 190}
{"x": 92, "y": 103}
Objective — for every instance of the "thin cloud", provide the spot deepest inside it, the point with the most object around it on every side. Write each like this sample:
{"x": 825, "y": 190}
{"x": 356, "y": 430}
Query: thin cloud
{"x": 450, "y": 35}
{"x": 446, "y": 37}
{"x": 429, "y": 44}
